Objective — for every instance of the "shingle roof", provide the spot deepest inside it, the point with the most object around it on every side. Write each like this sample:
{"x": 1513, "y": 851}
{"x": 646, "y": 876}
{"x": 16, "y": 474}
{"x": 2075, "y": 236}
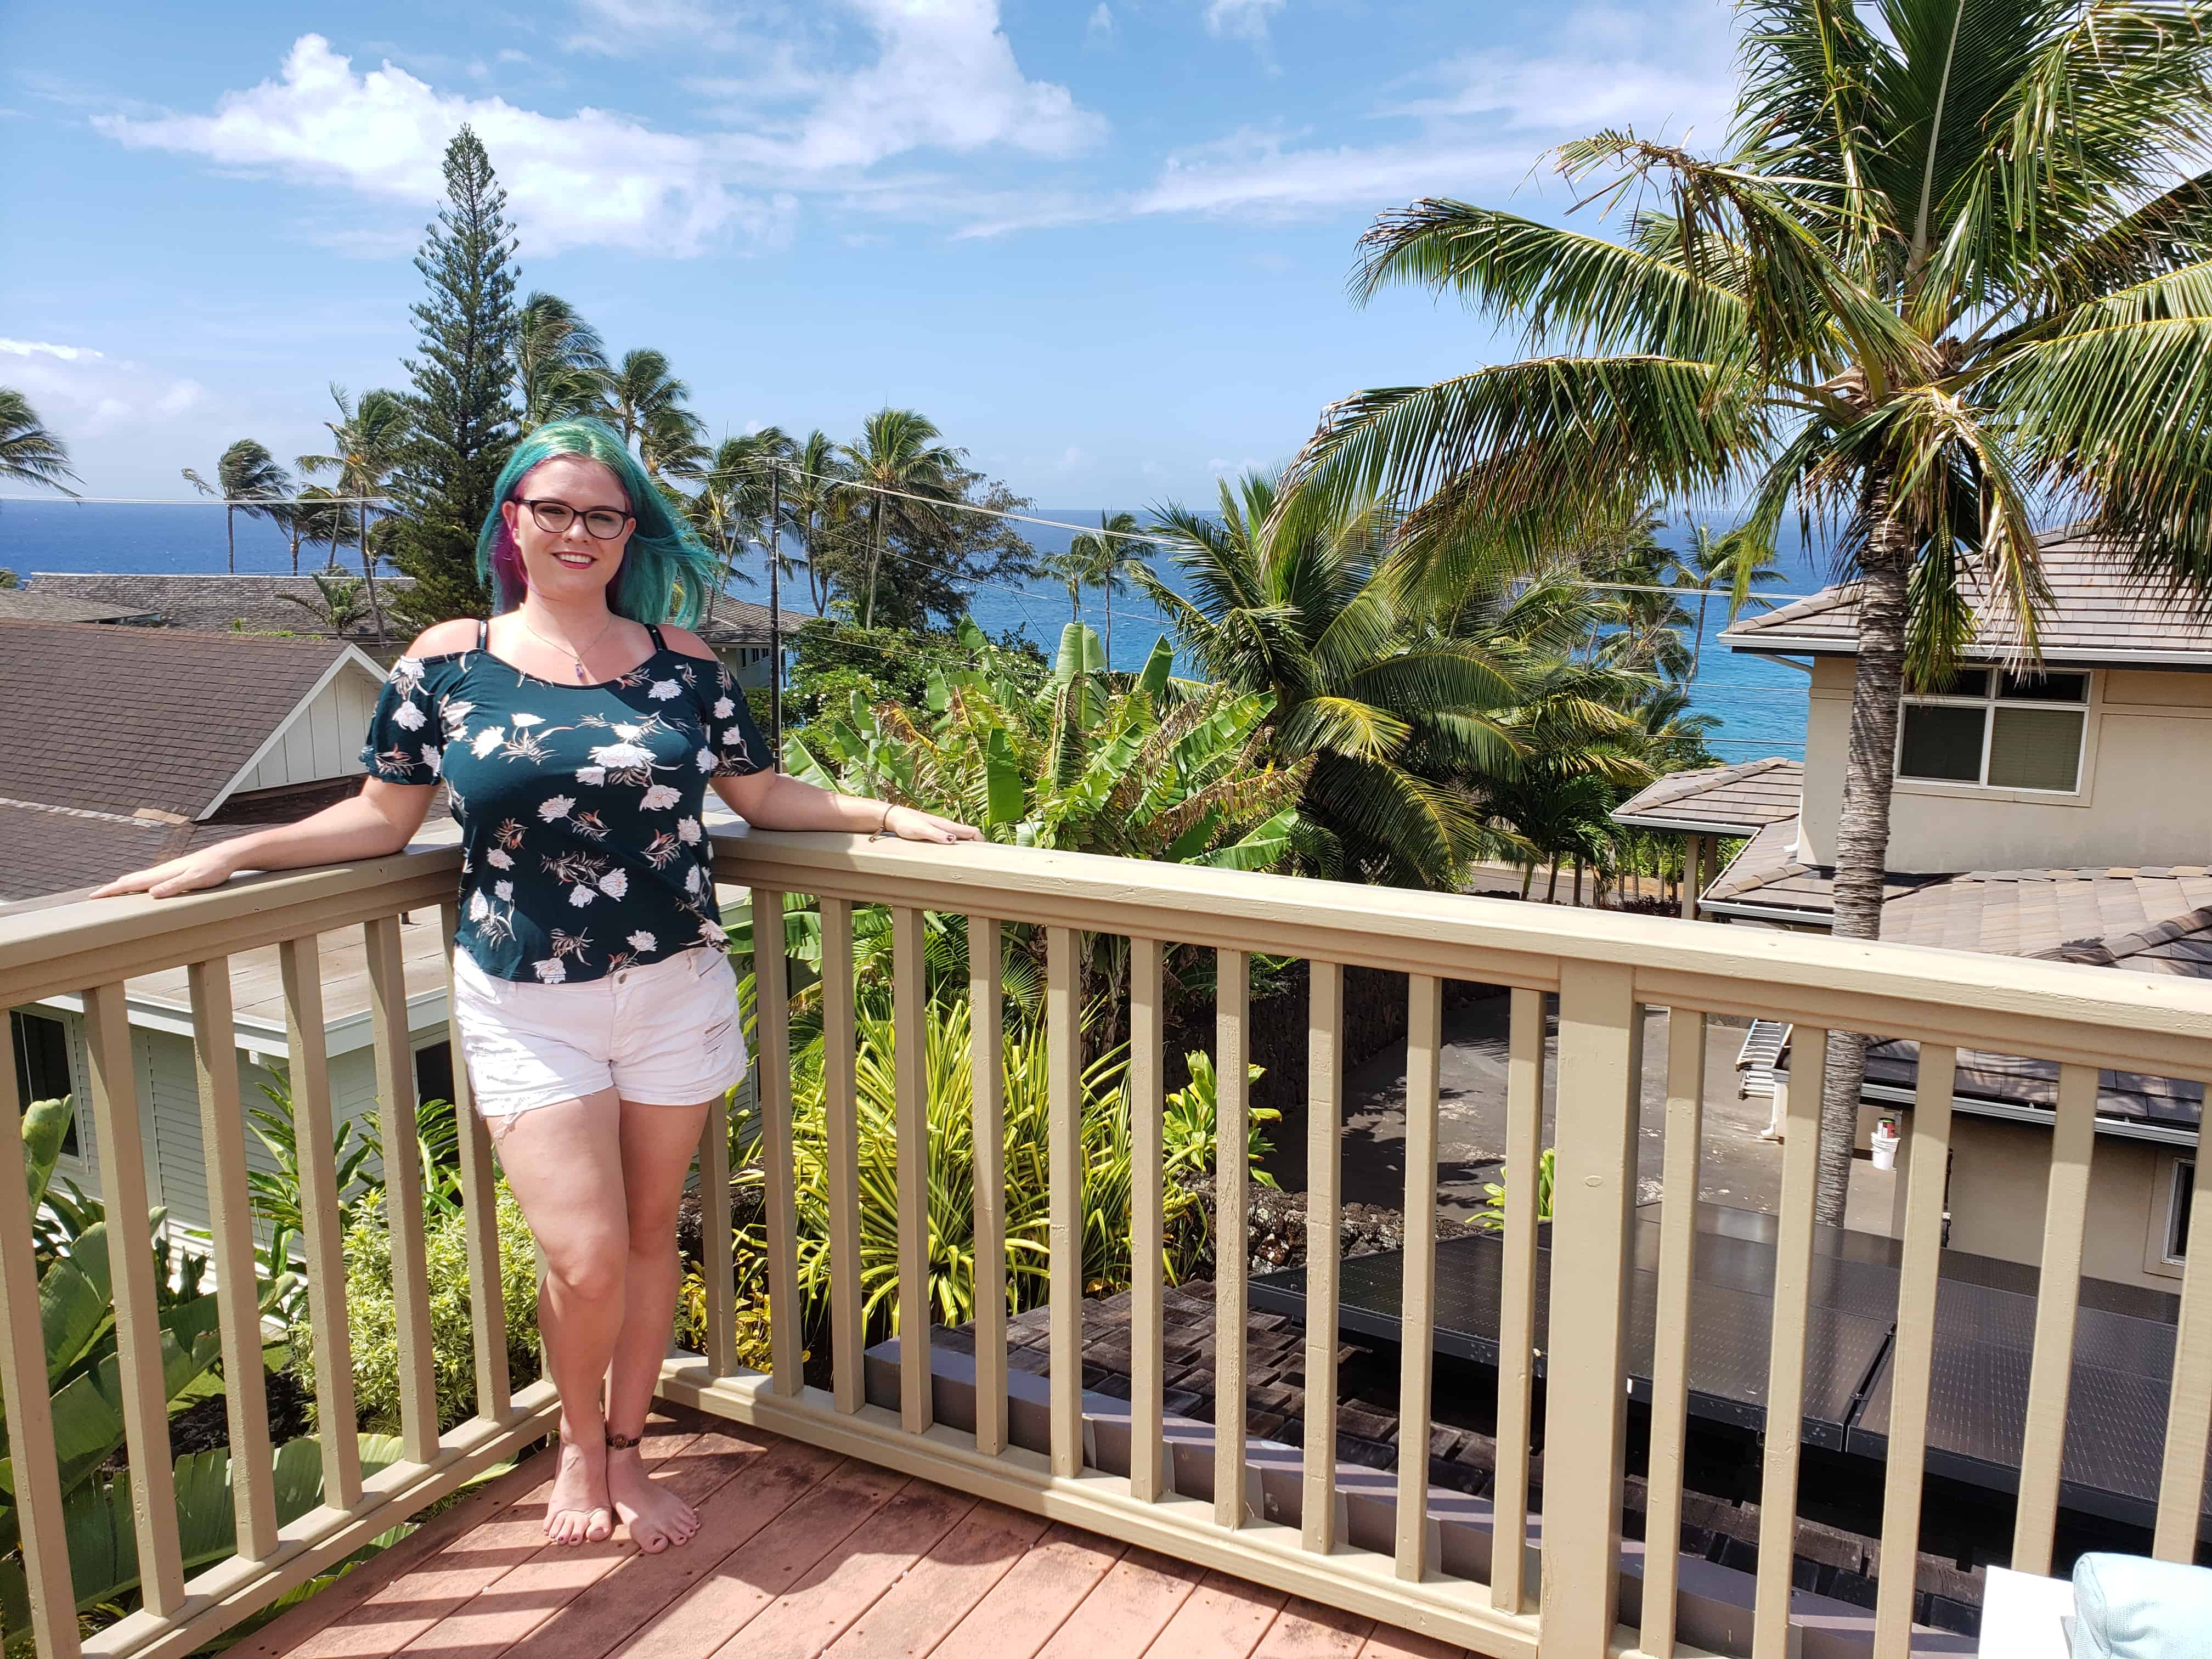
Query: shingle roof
{"x": 120, "y": 720}
{"x": 38, "y": 605}
{"x": 1769, "y": 872}
{"x": 2099, "y": 614}
{"x": 1722, "y": 800}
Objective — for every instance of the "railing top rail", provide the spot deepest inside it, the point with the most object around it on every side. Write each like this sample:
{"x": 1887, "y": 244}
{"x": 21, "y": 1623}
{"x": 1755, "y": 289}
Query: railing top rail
{"x": 2050, "y": 1009}
{"x": 61, "y": 948}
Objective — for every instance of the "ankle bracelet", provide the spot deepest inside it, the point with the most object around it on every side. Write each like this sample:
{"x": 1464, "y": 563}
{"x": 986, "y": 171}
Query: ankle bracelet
{"x": 623, "y": 1441}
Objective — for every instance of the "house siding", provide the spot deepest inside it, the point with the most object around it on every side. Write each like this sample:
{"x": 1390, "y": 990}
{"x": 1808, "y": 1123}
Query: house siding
{"x": 323, "y": 739}
{"x": 2146, "y": 794}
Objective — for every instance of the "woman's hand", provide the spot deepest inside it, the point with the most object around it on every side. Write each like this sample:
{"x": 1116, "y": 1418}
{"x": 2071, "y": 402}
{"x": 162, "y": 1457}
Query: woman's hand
{"x": 209, "y": 867}
{"x": 912, "y": 823}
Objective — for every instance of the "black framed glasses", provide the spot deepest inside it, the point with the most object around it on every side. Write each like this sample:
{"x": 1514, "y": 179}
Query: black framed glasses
{"x": 602, "y": 524}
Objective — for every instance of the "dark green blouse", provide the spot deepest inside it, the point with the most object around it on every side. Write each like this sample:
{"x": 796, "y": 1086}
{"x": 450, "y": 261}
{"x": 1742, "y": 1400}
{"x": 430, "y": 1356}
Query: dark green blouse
{"x": 581, "y": 807}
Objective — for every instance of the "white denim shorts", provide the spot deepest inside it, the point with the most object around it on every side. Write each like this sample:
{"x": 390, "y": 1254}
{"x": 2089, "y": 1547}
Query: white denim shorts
{"x": 665, "y": 1034}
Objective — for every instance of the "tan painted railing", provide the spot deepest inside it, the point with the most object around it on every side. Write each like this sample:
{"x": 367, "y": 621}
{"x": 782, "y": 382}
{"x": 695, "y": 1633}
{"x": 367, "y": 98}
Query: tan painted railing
{"x": 1603, "y": 968}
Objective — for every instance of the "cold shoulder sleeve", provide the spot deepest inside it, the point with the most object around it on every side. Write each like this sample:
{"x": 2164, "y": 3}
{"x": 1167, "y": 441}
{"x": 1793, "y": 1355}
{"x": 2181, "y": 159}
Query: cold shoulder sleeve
{"x": 407, "y": 734}
{"x": 739, "y": 750}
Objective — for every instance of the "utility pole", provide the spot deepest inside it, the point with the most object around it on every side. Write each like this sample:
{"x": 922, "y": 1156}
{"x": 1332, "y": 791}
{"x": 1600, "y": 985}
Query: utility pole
{"x": 775, "y": 614}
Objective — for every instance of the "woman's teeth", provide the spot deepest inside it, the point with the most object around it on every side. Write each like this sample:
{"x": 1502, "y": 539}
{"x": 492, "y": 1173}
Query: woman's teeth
{"x": 575, "y": 561}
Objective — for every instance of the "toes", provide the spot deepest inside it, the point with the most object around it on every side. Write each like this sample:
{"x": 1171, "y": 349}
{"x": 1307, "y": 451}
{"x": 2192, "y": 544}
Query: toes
{"x": 600, "y": 1526}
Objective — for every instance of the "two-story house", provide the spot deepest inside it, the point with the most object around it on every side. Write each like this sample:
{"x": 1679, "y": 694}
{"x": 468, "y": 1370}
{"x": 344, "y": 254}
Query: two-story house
{"x": 2062, "y": 811}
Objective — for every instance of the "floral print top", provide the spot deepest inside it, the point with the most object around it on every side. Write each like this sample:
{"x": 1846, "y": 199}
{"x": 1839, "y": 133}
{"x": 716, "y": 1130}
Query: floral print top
{"x": 581, "y": 807}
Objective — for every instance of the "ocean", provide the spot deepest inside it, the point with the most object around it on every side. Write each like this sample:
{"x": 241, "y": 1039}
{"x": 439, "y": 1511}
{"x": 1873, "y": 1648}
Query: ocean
{"x": 1760, "y": 705}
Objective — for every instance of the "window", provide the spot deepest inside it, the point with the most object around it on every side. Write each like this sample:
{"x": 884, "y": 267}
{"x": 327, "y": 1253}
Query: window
{"x": 2178, "y": 1207}
{"x": 2002, "y": 730}
{"x": 42, "y": 1065}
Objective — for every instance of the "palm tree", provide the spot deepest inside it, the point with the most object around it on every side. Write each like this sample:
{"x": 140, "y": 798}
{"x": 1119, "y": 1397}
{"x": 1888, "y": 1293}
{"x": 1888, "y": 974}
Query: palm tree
{"x": 247, "y": 474}
{"x": 338, "y": 605}
{"x": 29, "y": 454}
{"x": 325, "y": 515}
{"x": 731, "y": 511}
{"x": 813, "y": 498}
{"x": 1108, "y": 557}
{"x": 1711, "y": 563}
{"x": 1944, "y": 271}
{"x": 646, "y": 403}
{"x": 1394, "y": 712}
{"x": 368, "y": 441}
{"x": 910, "y": 479}
{"x": 559, "y": 362}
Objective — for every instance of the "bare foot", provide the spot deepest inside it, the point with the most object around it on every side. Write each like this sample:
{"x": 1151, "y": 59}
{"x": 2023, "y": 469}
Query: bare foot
{"x": 578, "y": 1511}
{"x": 656, "y": 1517}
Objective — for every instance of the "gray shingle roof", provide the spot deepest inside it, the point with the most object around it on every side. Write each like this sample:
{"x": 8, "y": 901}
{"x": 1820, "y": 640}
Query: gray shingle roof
{"x": 39, "y": 604}
{"x": 118, "y": 720}
{"x": 1722, "y": 800}
{"x": 2099, "y": 614}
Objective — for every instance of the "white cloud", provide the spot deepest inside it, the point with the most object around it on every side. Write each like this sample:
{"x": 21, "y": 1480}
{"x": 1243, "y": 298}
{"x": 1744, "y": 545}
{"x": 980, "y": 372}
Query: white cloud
{"x": 944, "y": 77}
{"x": 1101, "y": 27}
{"x": 1241, "y": 19}
{"x": 1261, "y": 173}
{"x": 80, "y": 392}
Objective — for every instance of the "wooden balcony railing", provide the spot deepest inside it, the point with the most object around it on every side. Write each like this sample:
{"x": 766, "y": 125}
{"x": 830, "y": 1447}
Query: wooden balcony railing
{"x": 1604, "y": 968}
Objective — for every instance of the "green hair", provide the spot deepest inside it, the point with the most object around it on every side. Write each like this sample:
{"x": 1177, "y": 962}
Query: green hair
{"x": 666, "y": 571}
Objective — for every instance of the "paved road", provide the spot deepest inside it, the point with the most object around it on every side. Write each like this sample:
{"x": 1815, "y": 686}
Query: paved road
{"x": 1739, "y": 1169}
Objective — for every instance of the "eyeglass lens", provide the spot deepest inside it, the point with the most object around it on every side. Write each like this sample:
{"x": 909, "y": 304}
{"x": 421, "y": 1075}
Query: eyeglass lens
{"x": 603, "y": 522}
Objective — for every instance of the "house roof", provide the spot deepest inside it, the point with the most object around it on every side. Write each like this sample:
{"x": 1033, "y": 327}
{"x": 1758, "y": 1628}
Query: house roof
{"x": 131, "y": 720}
{"x": 1768, "y": 874}
{"x": 38, "y": 605}
{"x": 2100, "y": 614}
{"x": 1718, "y": 800}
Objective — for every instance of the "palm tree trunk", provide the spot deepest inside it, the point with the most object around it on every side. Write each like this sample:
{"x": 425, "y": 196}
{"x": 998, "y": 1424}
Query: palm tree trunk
{"x": 1698, "y": 650}
{"x": 230, "y": 531}
{"x": 1551, "y": 886}
{"x": 294, "y": 527}
{"x": 875, "y": 560}
{"x": 1577, "y": 900}
{"x": 1861, "y": 850}
{"x": 368, "y": 570}
{"x": 1107, "y": 593}
{"x": 1527, "y": 876}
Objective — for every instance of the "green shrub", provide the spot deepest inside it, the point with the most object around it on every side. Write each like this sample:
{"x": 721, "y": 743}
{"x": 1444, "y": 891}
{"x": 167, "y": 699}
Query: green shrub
{"x": 372, "y": 1321}
{"x": 1492, "y": 1214}
{"x": 1191, "y": 1127}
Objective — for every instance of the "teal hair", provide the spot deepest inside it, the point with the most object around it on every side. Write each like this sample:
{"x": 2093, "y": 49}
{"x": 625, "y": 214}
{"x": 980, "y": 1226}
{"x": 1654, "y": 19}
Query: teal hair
{"x": 666, "y": 571}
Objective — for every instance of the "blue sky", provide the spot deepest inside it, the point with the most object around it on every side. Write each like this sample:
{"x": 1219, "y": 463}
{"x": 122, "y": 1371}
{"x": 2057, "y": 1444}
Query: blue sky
{"x": 1102, "y": 244}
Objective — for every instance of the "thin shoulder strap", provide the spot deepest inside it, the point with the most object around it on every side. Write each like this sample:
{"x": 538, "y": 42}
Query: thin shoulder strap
{"x": 483, "y": 635}
{"x": 659, "y": 644}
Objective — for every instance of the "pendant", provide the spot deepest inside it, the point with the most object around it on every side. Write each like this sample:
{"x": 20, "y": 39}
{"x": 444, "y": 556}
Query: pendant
{"x": 580, "y": 671}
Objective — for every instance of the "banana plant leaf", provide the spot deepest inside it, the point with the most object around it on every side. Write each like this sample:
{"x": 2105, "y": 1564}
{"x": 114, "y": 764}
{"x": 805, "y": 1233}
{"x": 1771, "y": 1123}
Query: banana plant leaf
{"x": 45, "y": 1127}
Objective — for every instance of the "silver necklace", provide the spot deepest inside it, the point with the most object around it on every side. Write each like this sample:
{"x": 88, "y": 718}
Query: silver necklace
{"x": 570, "y": 651}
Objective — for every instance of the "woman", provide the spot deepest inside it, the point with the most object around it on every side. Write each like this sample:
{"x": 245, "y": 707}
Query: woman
{"x": 597, "y": 1009}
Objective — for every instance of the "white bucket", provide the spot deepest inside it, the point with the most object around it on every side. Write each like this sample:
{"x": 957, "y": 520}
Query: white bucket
{"x": 1885, "y": 1150}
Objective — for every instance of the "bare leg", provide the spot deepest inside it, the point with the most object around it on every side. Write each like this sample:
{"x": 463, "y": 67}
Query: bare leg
{"x": 656, "y": 1145}
{"x": 564, "y": 1163}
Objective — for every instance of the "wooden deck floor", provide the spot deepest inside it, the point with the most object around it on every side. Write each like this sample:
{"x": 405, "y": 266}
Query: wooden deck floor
{"x": 802, "y": 1553}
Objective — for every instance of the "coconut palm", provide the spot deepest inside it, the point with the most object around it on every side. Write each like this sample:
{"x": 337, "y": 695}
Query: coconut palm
{"x": 910, "y": 479}
{"x": 1710, "y": 562}
{"x": 337, "y": 605}
{"x": 731, "y": 511}
{"x": 813, "y": 499}
{"x": 1956, "y": 260}
{"x": 1394, "y": 713}
{"x": 368, "y": 441}
{"x": 559, "y": 362}
{"x": 29, "y": 454}
{"x": 248, "y": 480}
{"x": 1108, "y": 556}
{"x": 646, "y": 403}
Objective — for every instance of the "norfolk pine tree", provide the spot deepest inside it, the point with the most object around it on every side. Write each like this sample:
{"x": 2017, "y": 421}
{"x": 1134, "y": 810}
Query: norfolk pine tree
{"x": 463, "y": 420}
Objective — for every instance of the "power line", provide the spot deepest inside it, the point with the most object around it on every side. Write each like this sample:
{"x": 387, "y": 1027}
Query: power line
{"x": 220, "y": 500}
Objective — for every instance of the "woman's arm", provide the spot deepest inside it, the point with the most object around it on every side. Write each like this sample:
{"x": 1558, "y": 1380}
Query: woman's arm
{"x": 381, "y": 819}
{"x": 774, "y": 800}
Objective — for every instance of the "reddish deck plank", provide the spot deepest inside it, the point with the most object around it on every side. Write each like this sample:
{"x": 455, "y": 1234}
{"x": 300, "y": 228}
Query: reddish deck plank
{"x": 1035, "y": 1598}
{"x": 1222, "y": 1618}
{"x": 1307, "y": 1630}
{"x": 1124, "y": 1613}
{"x": 934, "y": 1595}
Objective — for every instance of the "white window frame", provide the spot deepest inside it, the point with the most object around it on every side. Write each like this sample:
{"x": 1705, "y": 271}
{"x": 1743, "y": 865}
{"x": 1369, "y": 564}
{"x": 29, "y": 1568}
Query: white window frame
{"x": 2181, "y": 1176}
{"x": 1990, "y": 701}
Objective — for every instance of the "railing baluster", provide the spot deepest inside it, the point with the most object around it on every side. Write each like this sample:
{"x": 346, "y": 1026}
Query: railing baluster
{"x": 718, "y": 1267}
{"x": 1600, "y": 1084}
{"x": 1913, "y": 1356}
{"x": 1516, "y": 1299}
{"x": 1064, "y": 1205}
{"x": 988, "y": 1065}
{"x": 2057, "y": 1299}
{"x": 299, "y": 962}
{"x": 1147, "y": 1373}
{"x": 1232, "y": 1180}
{"x": 2188, "y": 1410}
{"x": 772, "y": 1099}
{"x": 1670, "y": 1359}
{"x": 1785, "y": 1367}
{"x": 480, "y": 1213}
{"x": 1324, "y": 1245}
{"x": 402, "y": 1189}
{"x": 842, "y": 1138}
{"x": 230, "y": 1228}
{"x": 1416, "y": 1357}
{"x": 138, "y": 1312}
{"x": 911, "y": 1105}
{"x": 44, "y": 1528}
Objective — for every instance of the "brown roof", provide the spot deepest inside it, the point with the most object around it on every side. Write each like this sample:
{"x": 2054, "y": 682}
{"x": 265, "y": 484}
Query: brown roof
{"x": 122, "y": 719}
{"x": 2099, "y": 614}
{"x": 1768, "y": 872}
{"x": 1721, "y": 800}
{"x": 38, "y": 605}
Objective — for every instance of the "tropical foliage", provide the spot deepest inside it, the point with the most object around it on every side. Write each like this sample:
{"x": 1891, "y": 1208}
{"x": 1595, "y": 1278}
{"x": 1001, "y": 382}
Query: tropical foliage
{"x": 248, "y": 480}
{"x": 29, "y": 452}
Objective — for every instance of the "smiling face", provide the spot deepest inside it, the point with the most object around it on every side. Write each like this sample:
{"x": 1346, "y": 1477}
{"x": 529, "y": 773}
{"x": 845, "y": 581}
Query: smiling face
{"x": 572, "y": 564}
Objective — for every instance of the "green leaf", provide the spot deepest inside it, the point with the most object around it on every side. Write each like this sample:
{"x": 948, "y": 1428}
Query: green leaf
{"x": 1003, "y": 780}
{"x": 46, "y": 1125}
{"x": 1152, "y": 679}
